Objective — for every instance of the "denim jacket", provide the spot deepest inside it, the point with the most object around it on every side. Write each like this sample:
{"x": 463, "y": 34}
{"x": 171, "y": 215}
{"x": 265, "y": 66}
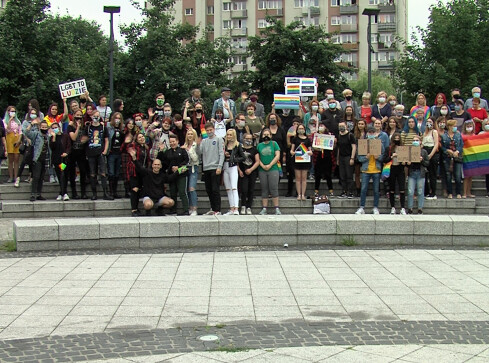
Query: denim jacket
{"x": 445, "y": 144}
{"x": 378, "y": 161}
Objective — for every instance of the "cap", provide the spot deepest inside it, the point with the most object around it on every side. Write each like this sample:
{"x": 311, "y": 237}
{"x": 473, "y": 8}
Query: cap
{"x": 225, "y": 89}
{"x": 370, "y": 128}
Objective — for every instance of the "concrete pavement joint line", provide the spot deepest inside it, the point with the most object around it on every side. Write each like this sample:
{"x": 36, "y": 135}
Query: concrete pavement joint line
{"x": 130, "y": 343}
{"x": 290, "y": 287}
{"x": 172, "y": 282}
{"x": 251, "y": 287}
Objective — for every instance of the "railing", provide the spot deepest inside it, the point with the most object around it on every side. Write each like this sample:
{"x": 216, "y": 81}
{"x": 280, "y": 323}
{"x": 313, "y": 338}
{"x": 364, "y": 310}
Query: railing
{"x": 348, "y": 9}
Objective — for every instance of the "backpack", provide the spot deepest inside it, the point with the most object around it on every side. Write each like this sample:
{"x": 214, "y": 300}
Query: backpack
{"x": 321, "y": 205}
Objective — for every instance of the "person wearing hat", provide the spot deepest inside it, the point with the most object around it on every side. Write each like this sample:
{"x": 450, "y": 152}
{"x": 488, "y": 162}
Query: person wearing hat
{"x": 259, "y": 108}
{"x": 226, "y": 104}
{"x": 460, "y": 115}
{"x": 371, "y": 169}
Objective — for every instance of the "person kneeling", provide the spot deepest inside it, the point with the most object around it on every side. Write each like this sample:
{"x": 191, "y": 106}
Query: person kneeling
{"x": 154, "y": 185}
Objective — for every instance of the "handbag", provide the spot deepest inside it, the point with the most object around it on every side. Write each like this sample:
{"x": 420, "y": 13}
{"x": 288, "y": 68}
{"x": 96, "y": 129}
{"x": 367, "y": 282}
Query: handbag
{"x": 24, "y": 145}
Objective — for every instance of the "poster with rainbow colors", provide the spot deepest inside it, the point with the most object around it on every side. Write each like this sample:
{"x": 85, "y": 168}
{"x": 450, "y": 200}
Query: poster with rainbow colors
{"x": 301, "y": 86}
{"x": 286, "y": 101}
{"x": 476, "y": 155}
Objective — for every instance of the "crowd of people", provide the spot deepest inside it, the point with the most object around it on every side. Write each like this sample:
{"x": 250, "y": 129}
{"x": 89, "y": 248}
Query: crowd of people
{"x": 91, "y": 144}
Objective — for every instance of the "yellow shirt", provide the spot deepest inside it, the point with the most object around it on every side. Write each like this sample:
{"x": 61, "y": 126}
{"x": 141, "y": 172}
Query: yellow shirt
{"x": 372, "y": 166}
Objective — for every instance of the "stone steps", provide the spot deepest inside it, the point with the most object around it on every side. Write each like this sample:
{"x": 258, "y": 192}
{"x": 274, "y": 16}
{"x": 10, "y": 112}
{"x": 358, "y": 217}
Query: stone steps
{"x": 231, "y": 231}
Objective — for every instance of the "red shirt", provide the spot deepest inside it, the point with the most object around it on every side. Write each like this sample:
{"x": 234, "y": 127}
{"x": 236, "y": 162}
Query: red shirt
{"x": 366, "y": 114}
{"x": 481, "y": 114}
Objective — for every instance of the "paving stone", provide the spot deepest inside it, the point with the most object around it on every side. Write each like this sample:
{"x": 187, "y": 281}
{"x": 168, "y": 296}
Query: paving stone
{"x": 78, "y": 229}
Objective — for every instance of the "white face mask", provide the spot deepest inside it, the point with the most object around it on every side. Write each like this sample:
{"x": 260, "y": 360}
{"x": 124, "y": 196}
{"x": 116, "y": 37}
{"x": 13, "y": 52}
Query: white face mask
{"x": 381, "y": 99}
{"x": 486, "y": 127}
{"x": 469, "y": 129}
{"x": 443, "y": 112}
{"x": 12, "y": 113}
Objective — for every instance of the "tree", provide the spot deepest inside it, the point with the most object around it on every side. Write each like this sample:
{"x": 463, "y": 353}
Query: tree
{"x": 293, "y": 50}
{"x": 451, "y": 53}
{"x": 166, "y": 57}
{"x": 379, "y": 83}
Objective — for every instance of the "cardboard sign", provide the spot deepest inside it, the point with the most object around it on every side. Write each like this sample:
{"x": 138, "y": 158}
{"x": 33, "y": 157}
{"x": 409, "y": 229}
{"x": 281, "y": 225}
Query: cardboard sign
{"x": 406, "y": 154}
{"x": 322, "y": 141}
{"x": 372, "y": 147}
{"x": 301, "y": 155}
{"x": 301, "y": 86}
{"x": 73, "y": 89}
{"x": 286, "y": 101}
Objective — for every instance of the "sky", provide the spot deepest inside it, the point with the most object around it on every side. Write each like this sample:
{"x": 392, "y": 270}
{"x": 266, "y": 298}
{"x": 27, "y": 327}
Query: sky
{"x": 93, "y": 10}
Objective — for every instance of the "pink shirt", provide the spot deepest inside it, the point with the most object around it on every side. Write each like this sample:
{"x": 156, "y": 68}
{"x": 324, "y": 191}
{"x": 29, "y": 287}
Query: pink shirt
{"x": 14, "y": 127}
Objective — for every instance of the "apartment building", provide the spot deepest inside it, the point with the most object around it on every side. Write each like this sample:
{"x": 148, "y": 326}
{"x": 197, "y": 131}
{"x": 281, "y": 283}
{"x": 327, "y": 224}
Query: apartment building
{"x": 238, "y": 19}
{"x": 3, "y": 3}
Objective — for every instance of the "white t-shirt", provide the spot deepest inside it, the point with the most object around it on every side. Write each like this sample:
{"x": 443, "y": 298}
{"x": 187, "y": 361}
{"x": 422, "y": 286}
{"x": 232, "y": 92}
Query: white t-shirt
{"x": 105, "y": 112}
{"x": 220, "y": 127}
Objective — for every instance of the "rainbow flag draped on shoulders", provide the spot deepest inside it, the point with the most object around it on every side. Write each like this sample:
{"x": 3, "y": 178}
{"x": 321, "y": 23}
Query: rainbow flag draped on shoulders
{"x": 476, "y": 155}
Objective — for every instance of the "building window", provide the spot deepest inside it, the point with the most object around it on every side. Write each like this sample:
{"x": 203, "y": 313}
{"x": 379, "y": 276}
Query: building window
{"x": 387, "y": 18}
{"x": 348, "y": 38}
{"x": 298, "y": 3}
{"x": 210, "y": 10}
{"x": 226, "y": 24}
{"x": 189, "y": 11}
{"x": 262, "y": 23}
{"x": 226, "y": 6}
{"x": 335, "y": 2}
{"x": 240, "y": 43}
{"x": 347, "y": 19}
{"x": 373, "y": 38}
{"x": 335, "y": 20}
{"x": 373, "y": 2}
{"x": 239, "y": 5}
{"x": 239, "y": 24}
{"x": 335, "y": 39}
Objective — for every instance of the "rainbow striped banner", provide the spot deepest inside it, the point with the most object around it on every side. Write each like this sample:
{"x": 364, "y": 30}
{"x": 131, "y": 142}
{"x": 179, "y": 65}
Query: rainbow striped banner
{"x": 303, "y": 147}
{"x": 476, "y": 155}
{"x": 286, "y": 101}
{"x": 309, "y": 81}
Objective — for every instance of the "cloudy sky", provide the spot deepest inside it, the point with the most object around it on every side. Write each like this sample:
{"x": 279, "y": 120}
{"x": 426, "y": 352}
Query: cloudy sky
{"x": 93, "y": 10}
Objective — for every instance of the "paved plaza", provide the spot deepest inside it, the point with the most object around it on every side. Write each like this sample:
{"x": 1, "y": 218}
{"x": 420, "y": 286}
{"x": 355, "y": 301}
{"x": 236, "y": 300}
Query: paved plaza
{"x": 276, "y": 305}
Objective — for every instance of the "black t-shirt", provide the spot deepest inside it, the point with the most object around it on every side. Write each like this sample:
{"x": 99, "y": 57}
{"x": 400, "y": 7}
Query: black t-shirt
{"x": 296, "y": 141}
{"x": 117, "y": 140}
{"x": 96, "y": 139}
{"x": 345, "y": 143}
{"x": 76, "y": 145}
{"x": 249, "y": 158}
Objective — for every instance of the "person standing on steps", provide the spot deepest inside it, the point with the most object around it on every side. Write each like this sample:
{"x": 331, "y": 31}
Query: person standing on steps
{"x": 97, "y": 147}
{"x": 37, "y": 132}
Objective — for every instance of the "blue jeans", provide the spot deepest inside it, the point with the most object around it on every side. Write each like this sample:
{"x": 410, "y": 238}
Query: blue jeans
{"x": 457, "y": 175}
{"x": 363, "y": 194}
{"x": 415, "y": 181}
{"x": 192, "y": 186}
{"x": 114, "y": 164}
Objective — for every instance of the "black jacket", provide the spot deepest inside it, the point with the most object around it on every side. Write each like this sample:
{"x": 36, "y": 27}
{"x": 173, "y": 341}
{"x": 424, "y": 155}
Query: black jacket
{"x": 154, "y": 184}
{"x": 237, "y": 156}
{"x": 170, "y": 158}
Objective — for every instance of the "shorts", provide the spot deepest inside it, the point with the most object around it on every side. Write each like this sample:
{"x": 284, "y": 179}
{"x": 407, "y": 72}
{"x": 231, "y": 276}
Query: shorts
{"x": 157, "y": 202}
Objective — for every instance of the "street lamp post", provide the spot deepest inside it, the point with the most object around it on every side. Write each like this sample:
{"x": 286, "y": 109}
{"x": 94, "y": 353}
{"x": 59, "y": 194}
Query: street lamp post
{"x": 111, "y": 10}
{"x": 370, "y": 13}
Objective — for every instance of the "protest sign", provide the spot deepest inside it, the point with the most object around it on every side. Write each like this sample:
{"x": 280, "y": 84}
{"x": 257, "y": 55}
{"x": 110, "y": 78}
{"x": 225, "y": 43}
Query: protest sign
{"x": 301, "y": 86}
{"x": 323, "y": 141}
{"x": 406, "y": 154}
{"x": 73, "y": 89}
{"x": 286, "y": 101}
{"x": 372, "y": 147}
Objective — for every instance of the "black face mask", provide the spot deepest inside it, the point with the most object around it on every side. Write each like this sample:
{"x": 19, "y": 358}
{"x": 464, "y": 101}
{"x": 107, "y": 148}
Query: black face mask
{"x": 397, "y": 142}
{"x": 44, "y": 131}
{"x": 348, "y": 98}
{"x": 266, "y": 138}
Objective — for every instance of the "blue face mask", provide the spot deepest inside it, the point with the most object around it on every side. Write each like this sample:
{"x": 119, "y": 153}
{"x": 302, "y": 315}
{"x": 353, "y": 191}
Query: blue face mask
{"x": 457, "y": 108}
{"x": 415, "y": 143}
{"x": 454, "y": 129}
{"x": 477, "y": 94}
{"x": 370, "y": 136}
{"x": 56, "y": 131}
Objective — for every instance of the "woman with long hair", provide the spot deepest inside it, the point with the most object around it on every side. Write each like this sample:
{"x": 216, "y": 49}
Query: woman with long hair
{"x": 301, "y": 143}
{"x": 233, "y": 155}
{"x": 77, "y": 155}
{"x": 193, "y": 169}
{"x": 13, "y": 130}
{"x": 115, "y": 130}
{"x": 360, "y": 132}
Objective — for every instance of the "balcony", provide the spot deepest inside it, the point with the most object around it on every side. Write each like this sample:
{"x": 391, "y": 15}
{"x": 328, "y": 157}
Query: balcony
{"x": 389, "y": 45}
{"x": 386, "y": 27}
{"x": 238, "y": 14}
{"x": 385, "y": 65}
{"x": 348, "y": 9}
{"x": 239, "y": 68}
{"x": 238, "y": 50}
{"x": 349, "y": 64}
{"x": 349, "y": 28}
{"x": 314, "y": 10}
{"x": 385, "y": 7}
{"x": 275, "y": 12}
{"x": 238, "y": 32}
{"x": 350, "y": 46}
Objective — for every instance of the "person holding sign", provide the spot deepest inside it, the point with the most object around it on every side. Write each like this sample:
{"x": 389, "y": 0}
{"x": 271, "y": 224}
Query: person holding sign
{"x": 301, "y": 149}
{"x": 416, "y": 178}
{"x": 347, "y": 148}
{"x": 410, "y": 130}
{"x": 323, "y": 161}
{"x": 397, "y": 175}
{"x": 371, "y": 169}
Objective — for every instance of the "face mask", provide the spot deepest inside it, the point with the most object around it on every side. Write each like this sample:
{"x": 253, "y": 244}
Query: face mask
{"x": 477, "y": 94}
{"x": 443, "y": 112}
{"x": 33, "y": 116}
{"x": 97, "y": 118}
{"x": 266, "y": 138}
{"x": 12, "y": 113}
{"x": 242, "y": 123}
{"x": 430, "y": 126}
{"x": 397, "y": 142}
{"x": 198, "y": 110}
{"x": 160, "y": 102}
{"x": 273, "y": 121}
{"x": 44, "y": 131}
{"x": 253, "y": 99}
{"x": 370, "y": 136}
{"x": 286, "y": 112}
{"x": 486, "y": 127}
{"x": 469, "y": 129}
{"x": 342, "y": 128}
{"x": 301, "y": 132}
{"x": 332, "y": 106}
{"x": 117, "y": 122}
{"x": 399, "y": 113}
{"x": 349, "y": 113}
{"x": 329, "y": 96}
{"x": 210, "y": 133}
{"x": 415, "y": 143}
{"x": 454, "y": 128}
{"x": 139, "y": 123}
{"x": 322, "y": 129}
{"x": 392, "y": 103}
{"x": 248, "y": 142}
{"x": 315, "y": 108}
{"x": 250, "y": 112}
{"x": 167, "y": 113}
{"x": 457, "y": 108}
{"x": 441, "y": 126}
{"x": 348, "y": 98}
{"x": 56, "y": 131}
{"x": 381, "y": 99}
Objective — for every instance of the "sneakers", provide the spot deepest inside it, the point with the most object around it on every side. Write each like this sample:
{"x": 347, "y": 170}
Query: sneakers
{"x": 135, "y": 213}
{"x": 243, "y": 210}
{"x": 350, "y": 196}
{"x": 60, "y": 197}
{"x": 263, "y": 211}
{"x": 393, "y": 210}
{"x": 209, "y": 213}
{"x": 216, "y": 213}
{"x": 17, "y": 182}
{"x": 248, "y": 211}
{"x": 403, "y": 212}
{"x": 32, "y": 198}
{"x": 409, "y": 211}
{"x": 375, "y": 211}
{"x": 360, "y": 211}
{"x": 236, "y": 212}
{"x": 229, "y": 213}
{"x": 40, "y": 197}
{"x": 278, "y": 212}
{"x": 52, "y": 179}
{"x": 193, "y": 213}
{"x": 66, "y": 197}
{"x": 420, "y": 211}
{"x": 343, "y": 195}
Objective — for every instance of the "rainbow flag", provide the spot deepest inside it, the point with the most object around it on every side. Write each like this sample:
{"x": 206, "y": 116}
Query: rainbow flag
{"x": 303, "y": 148}
{"x": 309, "y": 81}
{"x": 203, "y": 133}
{"x": 280, "y": 171}
{"x": 386, "y": 171}
{"x": 476, "y": 155}
{"x": 286, "y": 101}
{"x": 293, "y": 89}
